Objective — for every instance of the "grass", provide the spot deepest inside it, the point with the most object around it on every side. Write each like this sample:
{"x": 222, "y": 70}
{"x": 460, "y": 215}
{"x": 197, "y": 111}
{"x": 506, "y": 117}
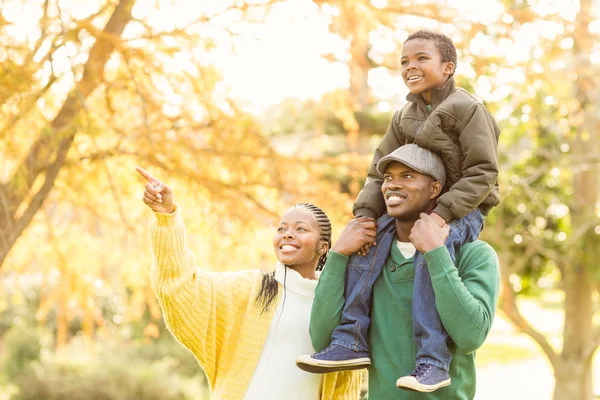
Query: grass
{"x": 500, "y": 353}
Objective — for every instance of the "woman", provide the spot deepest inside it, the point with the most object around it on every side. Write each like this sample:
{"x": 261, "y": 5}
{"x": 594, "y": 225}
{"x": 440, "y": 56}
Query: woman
{"x": 246, "y": 328}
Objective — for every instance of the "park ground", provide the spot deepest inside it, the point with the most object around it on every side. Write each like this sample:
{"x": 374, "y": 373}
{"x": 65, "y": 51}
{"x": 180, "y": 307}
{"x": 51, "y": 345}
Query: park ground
{"x": 511, "y": 365}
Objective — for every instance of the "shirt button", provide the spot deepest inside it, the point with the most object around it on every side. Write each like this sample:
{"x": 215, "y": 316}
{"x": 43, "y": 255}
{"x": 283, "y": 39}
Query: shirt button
{"x": 393, "y": 268}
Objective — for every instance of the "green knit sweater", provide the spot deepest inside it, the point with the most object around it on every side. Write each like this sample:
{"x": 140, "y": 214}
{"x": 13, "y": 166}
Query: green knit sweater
{"x": 466, "y": 296}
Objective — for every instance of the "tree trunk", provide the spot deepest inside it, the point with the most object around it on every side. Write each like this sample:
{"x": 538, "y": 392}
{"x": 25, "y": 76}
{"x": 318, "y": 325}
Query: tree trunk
{"x": 573, "y": 380}
{"x": 574, "y": 372}
{"x": 22, "y": 197}
{"x": 359, "y": 66}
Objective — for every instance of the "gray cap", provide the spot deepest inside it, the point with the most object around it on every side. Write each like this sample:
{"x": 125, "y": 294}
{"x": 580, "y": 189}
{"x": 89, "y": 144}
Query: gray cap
{"x": 417, "y": 158}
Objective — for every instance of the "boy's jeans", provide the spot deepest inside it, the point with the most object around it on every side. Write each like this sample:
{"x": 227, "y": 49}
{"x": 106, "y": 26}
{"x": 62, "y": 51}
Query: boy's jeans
{"x": 363, "y": 271}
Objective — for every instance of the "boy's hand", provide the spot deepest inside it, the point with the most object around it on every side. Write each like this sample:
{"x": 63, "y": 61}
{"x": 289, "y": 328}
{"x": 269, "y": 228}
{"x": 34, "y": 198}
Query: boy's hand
{"x": 157, "y": 196}
{"x": 359, "y": 232}
{"x": 438, "y": 219}
{"x": 427, "y": 235}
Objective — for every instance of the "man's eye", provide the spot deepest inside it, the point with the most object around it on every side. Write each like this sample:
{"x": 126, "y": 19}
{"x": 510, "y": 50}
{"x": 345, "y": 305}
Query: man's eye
{"x": 387, "y": 178}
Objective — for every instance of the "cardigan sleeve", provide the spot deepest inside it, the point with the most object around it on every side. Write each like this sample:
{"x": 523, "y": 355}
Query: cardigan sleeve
{"x": 198, "y": 306}
{"x": 347, "y": 385}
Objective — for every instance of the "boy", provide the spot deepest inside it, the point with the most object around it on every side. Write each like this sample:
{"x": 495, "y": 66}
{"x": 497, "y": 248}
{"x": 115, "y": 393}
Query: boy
{"x": 448, "y": 121}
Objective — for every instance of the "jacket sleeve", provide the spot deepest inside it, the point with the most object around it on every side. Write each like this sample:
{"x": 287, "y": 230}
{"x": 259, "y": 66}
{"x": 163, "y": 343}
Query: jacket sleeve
{"x": 196, "y": 304}
{"x": 466, "y": 301}
{"x": 479, "y": 146}
{"x": 329, "y": 301}
{"x": 369, "y": 202}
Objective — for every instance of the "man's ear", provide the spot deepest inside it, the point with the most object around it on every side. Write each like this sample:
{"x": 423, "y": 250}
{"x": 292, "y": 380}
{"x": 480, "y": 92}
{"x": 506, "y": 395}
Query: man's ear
{"x": 449, "y": 68}
{"x": 436, "y": 189}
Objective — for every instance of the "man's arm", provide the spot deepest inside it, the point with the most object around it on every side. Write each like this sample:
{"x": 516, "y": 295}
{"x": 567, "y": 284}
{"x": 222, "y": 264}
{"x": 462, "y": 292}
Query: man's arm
{"x": 369, "y": 202}
{"x": 329, "y": 294}
{"x": 465, "y": 294}
{"x": 329, "y": 300}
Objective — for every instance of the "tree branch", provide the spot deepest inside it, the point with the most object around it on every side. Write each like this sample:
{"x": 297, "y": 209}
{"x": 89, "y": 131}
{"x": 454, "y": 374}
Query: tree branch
{"x": 508, "y": 304}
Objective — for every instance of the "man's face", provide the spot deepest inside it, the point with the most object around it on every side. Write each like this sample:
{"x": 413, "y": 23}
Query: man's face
{"x": 422, "y": 67}
{"x": 408, "y": 193}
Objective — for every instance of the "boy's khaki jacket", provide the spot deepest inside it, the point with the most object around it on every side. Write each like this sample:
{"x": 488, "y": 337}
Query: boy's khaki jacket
{"x": 461, "y": 130}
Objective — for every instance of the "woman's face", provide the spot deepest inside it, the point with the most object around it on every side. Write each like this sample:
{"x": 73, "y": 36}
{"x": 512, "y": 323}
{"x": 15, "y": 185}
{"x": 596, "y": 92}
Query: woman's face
{"x": 297, "y": 241}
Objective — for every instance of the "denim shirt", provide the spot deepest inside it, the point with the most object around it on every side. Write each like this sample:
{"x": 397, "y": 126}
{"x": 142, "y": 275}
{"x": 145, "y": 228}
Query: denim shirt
{"x": 386, "y": 235}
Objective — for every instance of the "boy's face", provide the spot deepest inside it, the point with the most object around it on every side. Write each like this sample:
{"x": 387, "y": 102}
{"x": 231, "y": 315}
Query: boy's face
{"x": 422, "y": 68}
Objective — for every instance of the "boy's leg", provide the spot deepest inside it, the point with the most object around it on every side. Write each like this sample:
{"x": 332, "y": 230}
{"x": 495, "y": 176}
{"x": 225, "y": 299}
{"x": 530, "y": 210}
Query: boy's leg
{"x": 349, "y": 349}
{"x": 433, "y": 356}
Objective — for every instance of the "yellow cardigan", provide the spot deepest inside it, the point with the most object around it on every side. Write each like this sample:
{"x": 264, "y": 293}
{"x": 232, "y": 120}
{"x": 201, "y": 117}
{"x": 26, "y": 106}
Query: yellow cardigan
{"x": 214, "y": 315}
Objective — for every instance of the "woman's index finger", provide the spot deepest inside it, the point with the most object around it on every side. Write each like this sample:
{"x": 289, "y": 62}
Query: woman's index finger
{"x": 147, "y": 175}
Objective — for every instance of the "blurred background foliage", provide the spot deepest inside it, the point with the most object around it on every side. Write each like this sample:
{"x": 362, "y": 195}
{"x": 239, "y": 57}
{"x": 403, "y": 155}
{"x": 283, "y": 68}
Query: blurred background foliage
{"x": 89, "y": 89}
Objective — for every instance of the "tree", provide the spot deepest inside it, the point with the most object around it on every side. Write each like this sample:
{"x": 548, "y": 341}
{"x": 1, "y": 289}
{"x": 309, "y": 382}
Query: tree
{"x": 23, "y": 194}
{"x": 548, "y": 222}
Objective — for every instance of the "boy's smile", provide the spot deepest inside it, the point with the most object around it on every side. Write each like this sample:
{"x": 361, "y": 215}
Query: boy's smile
{"x": 422, "y": 67}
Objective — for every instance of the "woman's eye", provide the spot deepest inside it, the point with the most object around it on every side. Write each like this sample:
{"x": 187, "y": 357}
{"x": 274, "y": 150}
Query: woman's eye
{"x": 280, "y": 229}
{"x": 302, "y": 229}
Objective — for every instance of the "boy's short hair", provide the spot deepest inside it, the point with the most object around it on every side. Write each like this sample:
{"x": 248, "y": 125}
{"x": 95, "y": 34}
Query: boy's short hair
{"x": 442, "y": 42}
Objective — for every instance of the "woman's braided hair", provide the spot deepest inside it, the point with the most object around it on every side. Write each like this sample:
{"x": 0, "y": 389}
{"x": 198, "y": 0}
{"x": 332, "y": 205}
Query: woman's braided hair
{"x": 269, "y": 286}
{"x": 324, "y": 225}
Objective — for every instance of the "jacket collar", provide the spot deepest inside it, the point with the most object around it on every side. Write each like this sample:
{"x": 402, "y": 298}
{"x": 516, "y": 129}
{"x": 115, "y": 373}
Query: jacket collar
{"x": 437, "y": 95}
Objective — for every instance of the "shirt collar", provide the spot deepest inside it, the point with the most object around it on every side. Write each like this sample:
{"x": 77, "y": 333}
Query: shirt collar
{"x": 437, "y": 95}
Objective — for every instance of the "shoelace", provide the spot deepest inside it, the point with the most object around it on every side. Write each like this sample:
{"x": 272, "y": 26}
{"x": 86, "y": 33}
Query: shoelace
{"x": 421, "y": 370}
{"x": 325, "y": 350}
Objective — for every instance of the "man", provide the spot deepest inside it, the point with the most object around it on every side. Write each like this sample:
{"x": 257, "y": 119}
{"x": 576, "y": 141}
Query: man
{"x": 465, "y": 291}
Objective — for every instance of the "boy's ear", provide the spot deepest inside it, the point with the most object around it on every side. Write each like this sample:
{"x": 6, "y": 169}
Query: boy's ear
{"x": 449, "y": 68}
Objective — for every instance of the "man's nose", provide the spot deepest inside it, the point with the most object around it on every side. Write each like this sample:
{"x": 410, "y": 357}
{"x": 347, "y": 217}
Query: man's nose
{"x": 395, "y": 184}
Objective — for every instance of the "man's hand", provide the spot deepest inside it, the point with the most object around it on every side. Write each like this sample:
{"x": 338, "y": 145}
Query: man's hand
{"x": 427, "y": 235}
{"x": 359, "y": 232}
{"x": 157, "y": 196}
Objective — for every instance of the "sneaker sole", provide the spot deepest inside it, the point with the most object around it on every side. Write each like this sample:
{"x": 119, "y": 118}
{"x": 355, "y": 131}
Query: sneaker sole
{"x": 418, "y": 387}
{"x": 309, "y": 364}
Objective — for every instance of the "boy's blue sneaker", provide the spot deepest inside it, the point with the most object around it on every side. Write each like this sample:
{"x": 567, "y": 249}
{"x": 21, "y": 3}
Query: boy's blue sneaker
{"x": 425, "y": 378}
{"x": 334, "y": 358}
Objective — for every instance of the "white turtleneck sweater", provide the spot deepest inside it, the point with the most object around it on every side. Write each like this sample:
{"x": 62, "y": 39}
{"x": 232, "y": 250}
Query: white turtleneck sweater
{"x": 276, "y": 375}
